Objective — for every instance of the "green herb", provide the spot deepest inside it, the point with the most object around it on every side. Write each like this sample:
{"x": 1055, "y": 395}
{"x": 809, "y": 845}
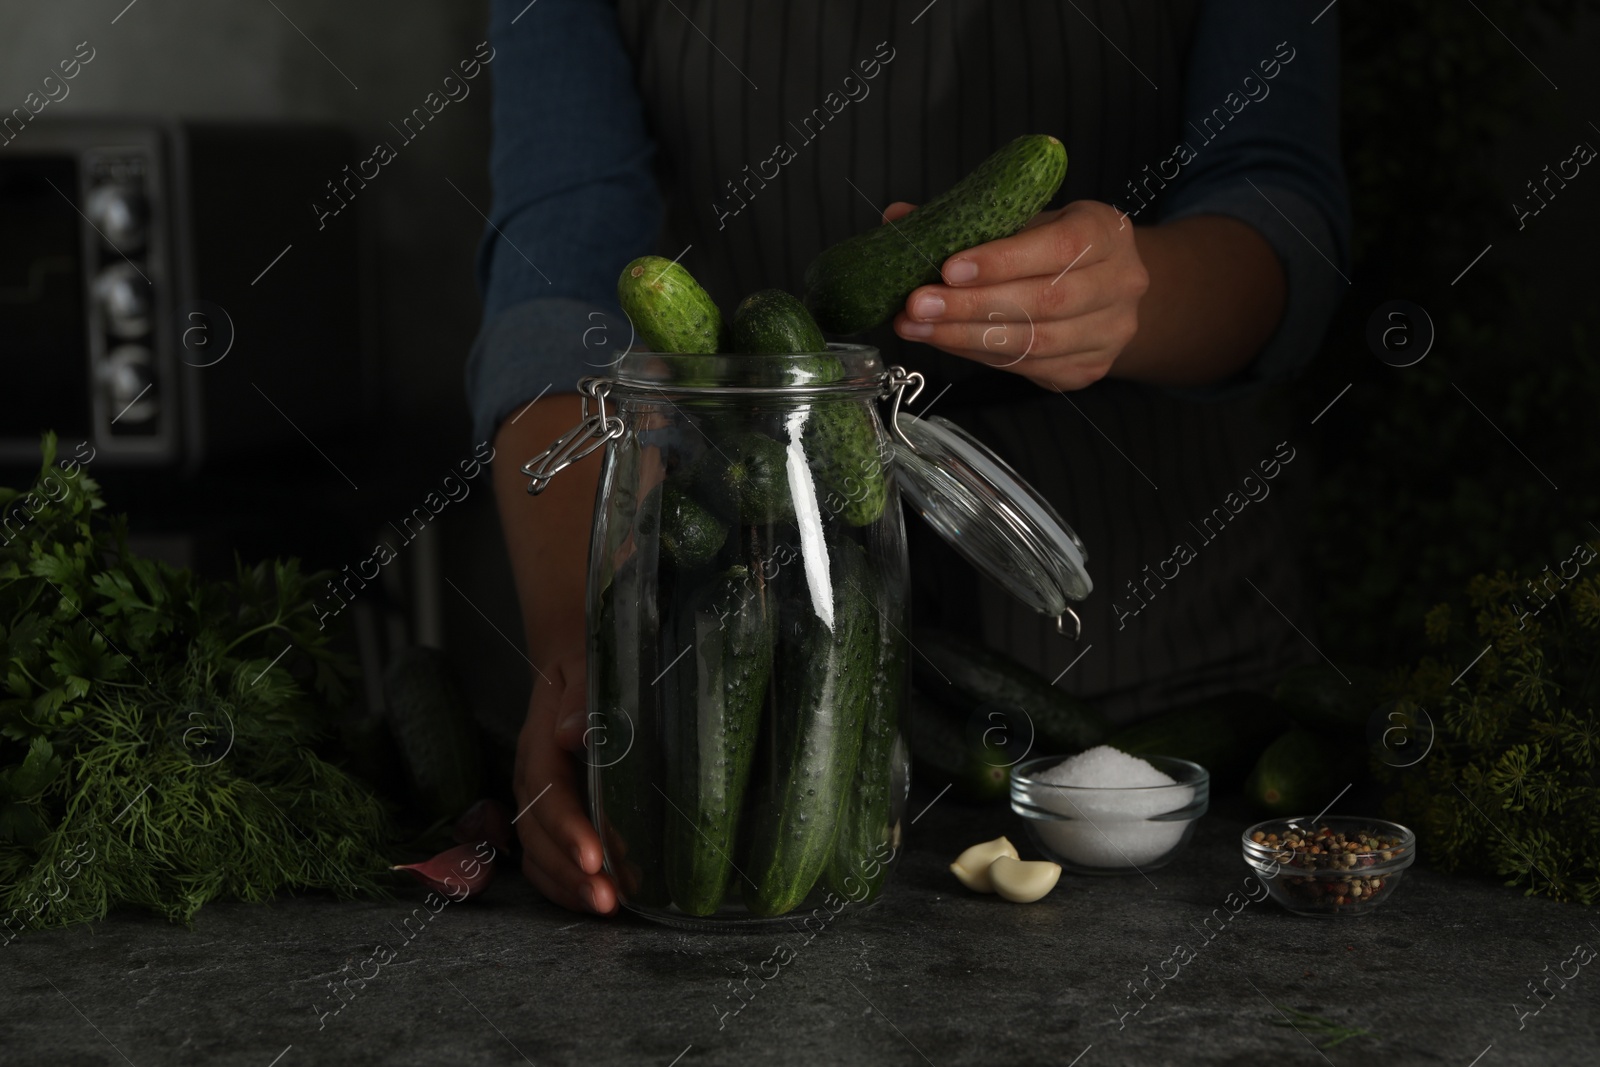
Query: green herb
{"x": 1308, "y": 1024}
{"x": 157, "y": 730}
{"x": 1510, "y": 786}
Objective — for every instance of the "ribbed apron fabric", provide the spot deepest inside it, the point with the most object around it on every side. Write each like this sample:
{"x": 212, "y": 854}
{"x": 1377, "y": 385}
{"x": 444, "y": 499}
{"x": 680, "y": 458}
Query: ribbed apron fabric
{"x": 1134, "y": 470}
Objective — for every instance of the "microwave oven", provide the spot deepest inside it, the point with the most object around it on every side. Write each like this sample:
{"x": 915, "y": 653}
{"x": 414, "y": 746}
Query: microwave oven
{"x": 164, "y": 288}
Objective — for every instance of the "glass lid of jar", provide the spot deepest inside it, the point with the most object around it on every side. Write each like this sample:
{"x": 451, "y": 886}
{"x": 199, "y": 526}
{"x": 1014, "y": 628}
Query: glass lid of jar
{"x": 997, "y": 521}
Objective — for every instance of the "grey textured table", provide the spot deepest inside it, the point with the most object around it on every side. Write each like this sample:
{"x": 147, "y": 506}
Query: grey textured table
{"x": 933, "y": 974}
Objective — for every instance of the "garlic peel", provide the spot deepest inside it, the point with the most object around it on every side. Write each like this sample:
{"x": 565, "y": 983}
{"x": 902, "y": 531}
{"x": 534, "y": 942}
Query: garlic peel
{"x": 1023, "y": 881}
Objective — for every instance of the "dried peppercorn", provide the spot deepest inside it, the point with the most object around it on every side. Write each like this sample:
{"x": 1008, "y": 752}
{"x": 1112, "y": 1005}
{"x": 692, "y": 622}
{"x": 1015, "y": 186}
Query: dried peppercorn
{"x": 1326, "y": 855}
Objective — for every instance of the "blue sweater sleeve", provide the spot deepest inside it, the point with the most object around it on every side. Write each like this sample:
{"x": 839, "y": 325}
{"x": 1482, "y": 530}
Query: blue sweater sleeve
{"x": 574, "y": 198}
{"x": 1261, "y": 144}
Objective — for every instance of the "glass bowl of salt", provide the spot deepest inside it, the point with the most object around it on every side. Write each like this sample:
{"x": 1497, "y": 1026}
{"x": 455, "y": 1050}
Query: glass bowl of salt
{"x": 1106, "y": 812}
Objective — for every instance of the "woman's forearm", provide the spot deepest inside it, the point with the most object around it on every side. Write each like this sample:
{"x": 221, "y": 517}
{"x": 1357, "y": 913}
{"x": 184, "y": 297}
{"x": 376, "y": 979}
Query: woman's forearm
{"x": 547, "y": 536}
{"x": 1217, "y": 292}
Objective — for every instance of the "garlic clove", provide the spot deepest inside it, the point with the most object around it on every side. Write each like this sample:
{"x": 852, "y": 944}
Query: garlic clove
{"x": 1023, "y": 881}
{"x": 972, "y": 866}
{"x": 458, "y": 873}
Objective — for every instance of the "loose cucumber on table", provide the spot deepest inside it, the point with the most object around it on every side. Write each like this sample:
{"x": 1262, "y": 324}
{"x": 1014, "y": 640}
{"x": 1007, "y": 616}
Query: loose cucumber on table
{"x": 860, "y": 283}
{"x": 1224, "y": 734}
{"x": 961, "y": 673}
{"x": 720, "y": 685}
{"x": 823, "y": 695}
{"x": 948, "y": 752}
{"x": 1302, "y": 772}
{"x": 1318, "y": 697}
{"x": 434, "y": 730}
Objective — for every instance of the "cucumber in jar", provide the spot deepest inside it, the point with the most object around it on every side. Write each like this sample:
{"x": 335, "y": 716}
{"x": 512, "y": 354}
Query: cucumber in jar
{"x": 869, "y": 835}
{"x": 839, "y": 436}
{"x": 823, "y": 695}
{"x": 724, "y": 635}
{"x": 746, "y": 479}
{"x": 690, "y": 535}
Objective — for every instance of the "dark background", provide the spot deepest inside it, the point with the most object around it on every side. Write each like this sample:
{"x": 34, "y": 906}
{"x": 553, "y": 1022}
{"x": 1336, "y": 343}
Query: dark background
{"x": 1444, "y": 121}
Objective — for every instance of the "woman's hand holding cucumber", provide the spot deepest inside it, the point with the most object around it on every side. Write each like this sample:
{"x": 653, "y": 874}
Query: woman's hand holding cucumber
{"x": 1056, "y": 303}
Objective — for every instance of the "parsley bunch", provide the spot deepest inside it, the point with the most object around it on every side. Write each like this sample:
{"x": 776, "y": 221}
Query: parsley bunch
{"x": 157, "y": 730}
{"x": 1511, "y": 785}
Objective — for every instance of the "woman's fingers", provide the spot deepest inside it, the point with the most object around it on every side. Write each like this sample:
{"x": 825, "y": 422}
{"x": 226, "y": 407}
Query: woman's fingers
{"x": 558, "y": 878}
{"x": 585, "y": 893}
{"x": 558, "y": 841}
{"x": 1065, "y": 354}
{"x": 1076, "y": 235}
{"x": 1038, "y": 299}
{"x": 898, "y": 210}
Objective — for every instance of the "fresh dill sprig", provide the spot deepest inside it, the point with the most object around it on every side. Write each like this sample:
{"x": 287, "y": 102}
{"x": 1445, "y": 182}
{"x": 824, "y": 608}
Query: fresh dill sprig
{"x": 1309, "y": 1023}
{"x": 1511, "y": 785}
{"x": 158, "y": 732}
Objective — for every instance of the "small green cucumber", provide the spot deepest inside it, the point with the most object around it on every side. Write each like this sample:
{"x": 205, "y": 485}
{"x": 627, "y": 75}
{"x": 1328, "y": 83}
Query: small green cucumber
{"x": 1224, "y": 734}
{"x": 947, "y": 752}
{"x": 434, "y": 730}
{"x": 964, "y": 674}
{"x": 824, "y": 691}
{"x": 724, "y": 634}
{"x": 671, "y": 312}
{"x": 869, "y": 834}
{"x": 863, "y": 281}
{"x": 1302, "y": 772}
{"x": 843, "y": 443}
{"x": 1318, "y": 697}
{"x": 745, "y": 479}
{"x": 773, "y": 322}
{"x": 690, "y": 533}
{"x": 840, "y": 437}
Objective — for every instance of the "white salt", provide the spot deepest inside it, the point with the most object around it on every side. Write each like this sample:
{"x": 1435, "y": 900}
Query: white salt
{"x": 1108, "y": 809}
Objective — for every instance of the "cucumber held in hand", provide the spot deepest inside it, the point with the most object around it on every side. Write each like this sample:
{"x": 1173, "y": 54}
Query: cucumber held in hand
{"x": 861, "y": 282}
{"x": 824, "y": 694}
{"x": 711, "y": 732}
{"x": 670, "y": 311}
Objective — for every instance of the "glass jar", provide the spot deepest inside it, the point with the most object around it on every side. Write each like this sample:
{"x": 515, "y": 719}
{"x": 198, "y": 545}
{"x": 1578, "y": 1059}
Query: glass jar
{"x": 748, "y": 619}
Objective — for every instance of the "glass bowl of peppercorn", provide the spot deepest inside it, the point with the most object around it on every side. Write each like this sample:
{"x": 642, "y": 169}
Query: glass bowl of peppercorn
{"x": 1337, "y": 865}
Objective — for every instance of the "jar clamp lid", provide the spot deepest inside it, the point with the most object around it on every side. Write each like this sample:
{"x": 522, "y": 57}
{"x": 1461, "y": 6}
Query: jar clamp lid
{"x": 968, "y": 494}
{"x": 986, "y": 512}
